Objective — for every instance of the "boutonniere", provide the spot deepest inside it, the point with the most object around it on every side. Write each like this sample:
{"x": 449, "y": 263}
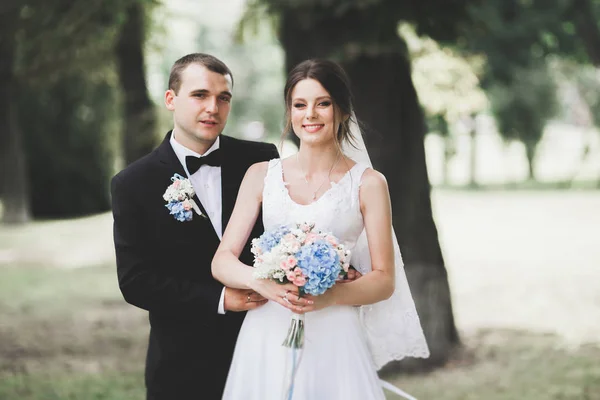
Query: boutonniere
{"x": 179, "y": 197}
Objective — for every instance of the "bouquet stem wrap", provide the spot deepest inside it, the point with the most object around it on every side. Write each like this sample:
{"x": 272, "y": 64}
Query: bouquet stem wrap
{"x": 295, "y": 335}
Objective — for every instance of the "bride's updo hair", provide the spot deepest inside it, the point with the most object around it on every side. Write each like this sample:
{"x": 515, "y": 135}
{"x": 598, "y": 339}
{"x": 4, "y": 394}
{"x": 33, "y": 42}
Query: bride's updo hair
{"x": 333, "y": 79}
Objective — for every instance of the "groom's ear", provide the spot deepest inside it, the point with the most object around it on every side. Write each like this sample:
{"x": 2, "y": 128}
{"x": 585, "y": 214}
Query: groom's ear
{"x": 170, "y": 100}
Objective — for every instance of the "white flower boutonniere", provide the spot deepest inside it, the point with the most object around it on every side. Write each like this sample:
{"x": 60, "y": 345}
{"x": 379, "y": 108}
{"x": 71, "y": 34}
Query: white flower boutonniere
{"x": 179, "y": 197}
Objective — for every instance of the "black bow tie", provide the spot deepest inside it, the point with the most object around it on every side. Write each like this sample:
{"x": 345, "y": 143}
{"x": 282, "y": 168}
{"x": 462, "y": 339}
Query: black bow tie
{"x": 194, "y": 163}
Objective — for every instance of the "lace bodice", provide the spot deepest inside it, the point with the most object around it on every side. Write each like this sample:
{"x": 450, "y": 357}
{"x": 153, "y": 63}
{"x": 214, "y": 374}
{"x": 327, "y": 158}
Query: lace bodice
{"x": 336, "y": 211}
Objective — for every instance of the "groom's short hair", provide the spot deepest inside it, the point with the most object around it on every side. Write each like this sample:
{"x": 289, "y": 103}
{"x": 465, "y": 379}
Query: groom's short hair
{"x": 211, "y": 63}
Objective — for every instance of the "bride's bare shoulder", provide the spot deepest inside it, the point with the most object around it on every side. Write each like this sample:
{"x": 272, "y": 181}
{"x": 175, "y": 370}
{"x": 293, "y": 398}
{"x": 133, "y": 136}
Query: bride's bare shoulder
{"x": 373, "y": 180}
{"x": 257, "y": 170}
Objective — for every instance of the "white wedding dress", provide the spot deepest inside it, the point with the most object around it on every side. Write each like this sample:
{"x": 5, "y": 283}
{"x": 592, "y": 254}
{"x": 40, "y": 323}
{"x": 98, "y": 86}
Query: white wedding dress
{"x": 335, "y": 363}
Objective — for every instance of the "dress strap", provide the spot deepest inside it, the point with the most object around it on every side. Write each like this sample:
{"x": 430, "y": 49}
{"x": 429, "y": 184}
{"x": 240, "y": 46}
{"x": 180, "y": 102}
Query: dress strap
{"x": 274, "y": 171}
{"x": 358, "y": 170}
{"x": 273, "y": 178}
{"x": 356, "y": 174}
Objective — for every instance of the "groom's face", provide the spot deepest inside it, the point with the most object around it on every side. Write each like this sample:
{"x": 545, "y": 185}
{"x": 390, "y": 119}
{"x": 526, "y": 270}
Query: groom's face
{"x": 201, "y": 106}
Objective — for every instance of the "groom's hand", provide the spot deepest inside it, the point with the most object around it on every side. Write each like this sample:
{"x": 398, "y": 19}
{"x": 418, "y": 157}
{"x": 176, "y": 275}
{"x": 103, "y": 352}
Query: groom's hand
{"x": 242, "y": 299}
{"x": 352, "y": 275}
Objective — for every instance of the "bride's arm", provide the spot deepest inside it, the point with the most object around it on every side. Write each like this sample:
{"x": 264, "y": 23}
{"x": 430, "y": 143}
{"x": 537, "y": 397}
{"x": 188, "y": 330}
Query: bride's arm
{"x": 226, "y": 266}
{"x": 377, "y": 216}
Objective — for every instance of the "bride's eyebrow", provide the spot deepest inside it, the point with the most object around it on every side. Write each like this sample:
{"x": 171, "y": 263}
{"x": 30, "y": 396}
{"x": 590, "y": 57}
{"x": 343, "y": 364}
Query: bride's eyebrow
{"x": 317, "y": 99}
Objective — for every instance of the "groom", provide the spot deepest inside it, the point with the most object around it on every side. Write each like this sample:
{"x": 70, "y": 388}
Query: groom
{"x": 163, "y": 264}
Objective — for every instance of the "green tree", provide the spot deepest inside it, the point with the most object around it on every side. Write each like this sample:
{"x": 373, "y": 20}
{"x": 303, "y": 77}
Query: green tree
{"x": 523, "y": 106}
{"x": 363, "y": 36}
{"x": 449, "y": 90}
{"x": 258, "y": 77}
{"x": 515, "y": 37}
{"x": 139, "y": 135}
{"x": 13, "y": 182}
{"x": 69, "y": 143}
{"x": 53, "y": 47}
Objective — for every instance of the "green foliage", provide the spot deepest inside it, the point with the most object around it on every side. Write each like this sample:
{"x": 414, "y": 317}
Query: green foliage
{"x": 523, "y": 106}
{"x": 514, "y": 32}
{"x": 446, "y": 81}
{"x": 67, "y": 127}
{"x": 59, "y": 37}
{"x": 587, "y": 81}
{"x": 440, "y": 20}
{"x": 65, "y": 79}
{"x": 258, "y": 72}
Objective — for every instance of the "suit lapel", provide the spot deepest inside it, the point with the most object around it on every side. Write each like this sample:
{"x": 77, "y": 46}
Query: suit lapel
{"x": 230, "y": 179}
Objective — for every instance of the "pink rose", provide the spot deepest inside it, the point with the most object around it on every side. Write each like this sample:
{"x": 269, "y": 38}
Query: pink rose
{"x": 187, "y": 205}
{"x": 310, "y": 238}
{"x": 304, "y": 227}
{"x": 288, "y": 263}
{"x": 299, "y": 281}
{"x": 291, "y": 276}
{"x": 292, "y": 242}
{"x": 332, "y": 240}
{"x": 176, "y": 183}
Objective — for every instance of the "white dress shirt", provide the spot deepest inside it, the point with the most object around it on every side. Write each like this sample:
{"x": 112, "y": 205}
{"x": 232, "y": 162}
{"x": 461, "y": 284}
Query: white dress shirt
{"x": 207, "y": 185}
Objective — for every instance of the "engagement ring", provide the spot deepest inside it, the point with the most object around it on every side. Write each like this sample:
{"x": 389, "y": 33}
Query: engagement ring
{"x": 248, "y": 299}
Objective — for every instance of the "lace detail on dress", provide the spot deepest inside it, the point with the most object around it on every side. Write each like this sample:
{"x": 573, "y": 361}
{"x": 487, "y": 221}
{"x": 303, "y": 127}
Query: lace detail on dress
{"x": 336, "y": 211}
{"x": 393, "y": 327}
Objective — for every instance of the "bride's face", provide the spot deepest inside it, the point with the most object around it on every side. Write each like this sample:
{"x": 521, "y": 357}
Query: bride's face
{"x": 312, "y": 113}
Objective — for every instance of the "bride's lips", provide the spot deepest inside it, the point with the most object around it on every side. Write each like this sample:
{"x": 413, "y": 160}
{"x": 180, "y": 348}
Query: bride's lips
{"x": 312, "y": 128}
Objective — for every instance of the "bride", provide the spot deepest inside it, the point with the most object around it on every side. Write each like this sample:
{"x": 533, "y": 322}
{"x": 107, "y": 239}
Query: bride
{"x": 330, "y": 183}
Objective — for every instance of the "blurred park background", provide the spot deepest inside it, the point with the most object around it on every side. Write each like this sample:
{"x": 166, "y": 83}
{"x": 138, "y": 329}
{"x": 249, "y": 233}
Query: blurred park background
{"x": 483, "y": 115}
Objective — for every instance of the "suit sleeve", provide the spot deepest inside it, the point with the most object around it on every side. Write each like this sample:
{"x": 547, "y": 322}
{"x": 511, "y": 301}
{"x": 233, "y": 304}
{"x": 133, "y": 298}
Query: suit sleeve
{"x": 274, "y": 152}
{"x": 269, "y": 152}
{"x": 141, "y": 281}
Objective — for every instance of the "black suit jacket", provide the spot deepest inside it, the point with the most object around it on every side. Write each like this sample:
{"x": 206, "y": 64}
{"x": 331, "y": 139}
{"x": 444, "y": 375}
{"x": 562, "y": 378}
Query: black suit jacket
{"x": 164, "y": 267}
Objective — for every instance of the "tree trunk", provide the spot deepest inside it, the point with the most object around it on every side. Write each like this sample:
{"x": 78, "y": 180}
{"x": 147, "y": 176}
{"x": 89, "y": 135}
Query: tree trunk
{"x": 448, "y": 154}
{"x": 473, "y": 157}
{"x": 444, "y": 164}
{"x": 139, "y": 128}
{"x": 13, "y": 177}
{"x": 386, "y": 102}
{"x": 530, "y": 153}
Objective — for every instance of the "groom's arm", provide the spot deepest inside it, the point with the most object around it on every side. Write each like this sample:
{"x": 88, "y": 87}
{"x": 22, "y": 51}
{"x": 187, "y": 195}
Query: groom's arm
{"x": 140, "y": 279}
{"x": 269, "y": 153}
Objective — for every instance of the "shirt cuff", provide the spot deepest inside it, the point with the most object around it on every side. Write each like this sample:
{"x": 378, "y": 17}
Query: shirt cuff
{"x": 221, "y": 309}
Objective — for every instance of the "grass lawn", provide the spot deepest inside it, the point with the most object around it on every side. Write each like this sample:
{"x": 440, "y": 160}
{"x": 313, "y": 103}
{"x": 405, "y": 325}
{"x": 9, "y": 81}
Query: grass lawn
{"x": 529, "y": 315}
{"x": 66, "y": 334}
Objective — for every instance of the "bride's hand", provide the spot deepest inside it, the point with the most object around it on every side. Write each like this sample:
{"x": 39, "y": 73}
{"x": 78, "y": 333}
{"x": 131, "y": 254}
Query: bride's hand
{"x": 318, "y": 302}
{"x": 286, "y": 294}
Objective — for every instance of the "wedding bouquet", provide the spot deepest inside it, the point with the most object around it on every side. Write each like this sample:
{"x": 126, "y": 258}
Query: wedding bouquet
{"x": 313, "y": 260}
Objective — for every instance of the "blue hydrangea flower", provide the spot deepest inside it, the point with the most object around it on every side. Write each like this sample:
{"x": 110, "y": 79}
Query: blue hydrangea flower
{"x": 270, "y": 239}
{"x": 176, "y": 209}
{"x": 320, "y": 263}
